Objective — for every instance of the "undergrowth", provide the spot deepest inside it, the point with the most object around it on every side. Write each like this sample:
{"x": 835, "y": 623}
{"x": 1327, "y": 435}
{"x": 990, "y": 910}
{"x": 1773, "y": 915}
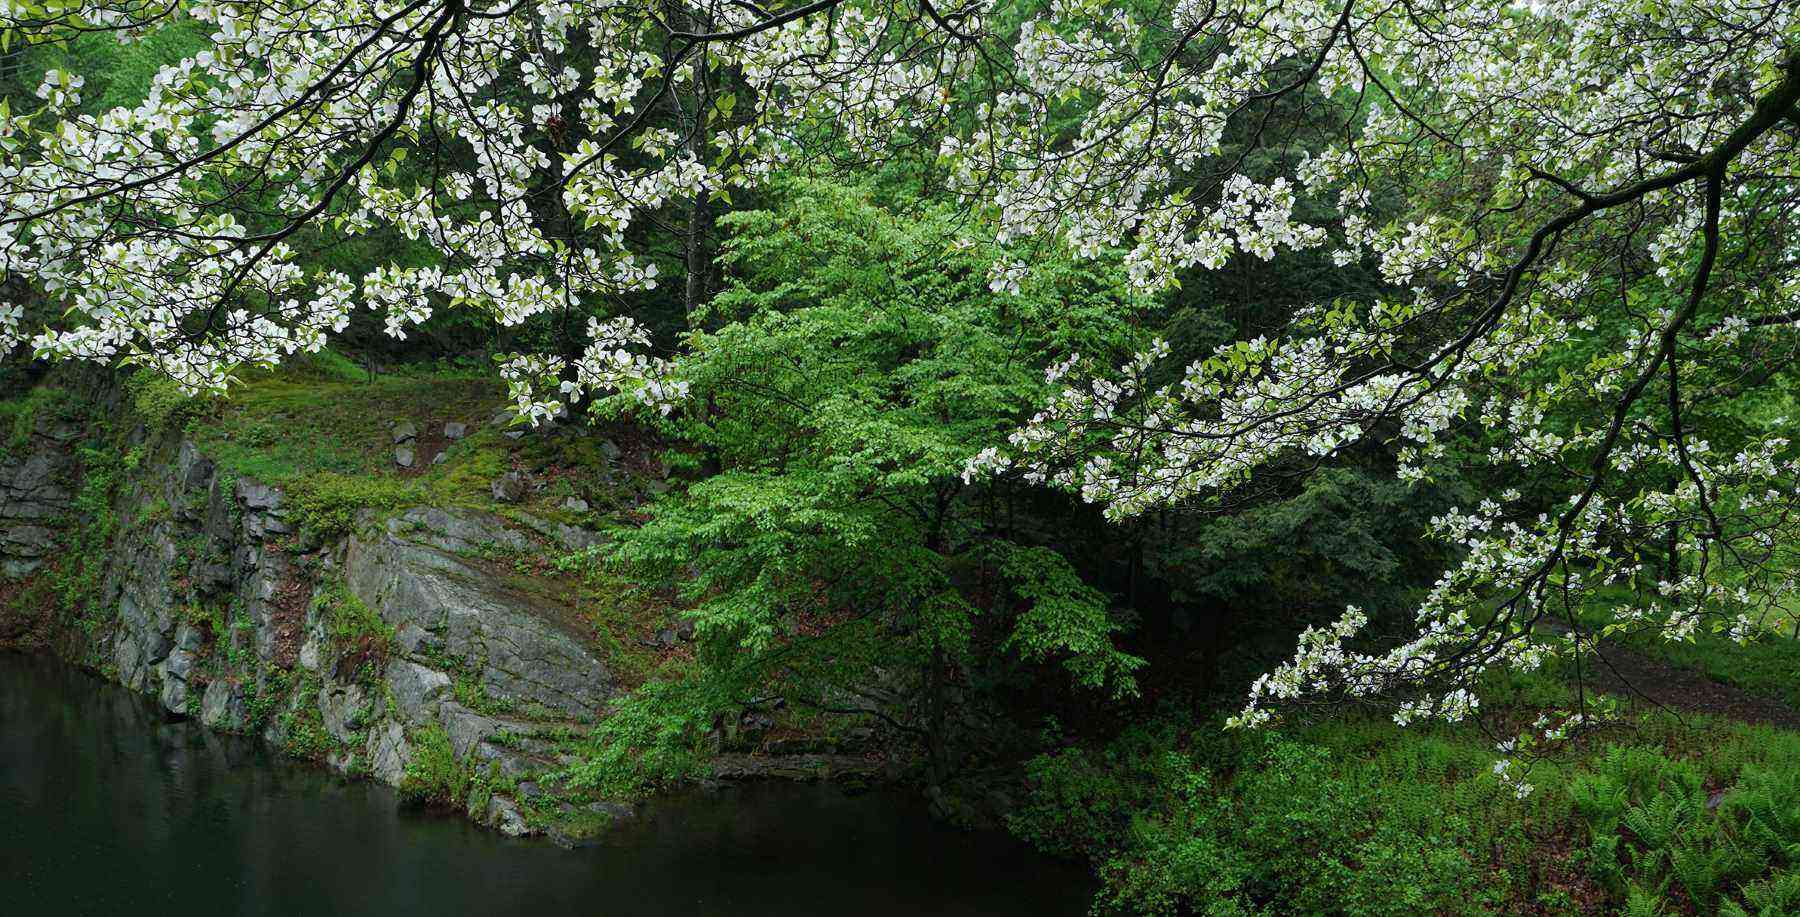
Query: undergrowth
{"x": 1358, "y": 816}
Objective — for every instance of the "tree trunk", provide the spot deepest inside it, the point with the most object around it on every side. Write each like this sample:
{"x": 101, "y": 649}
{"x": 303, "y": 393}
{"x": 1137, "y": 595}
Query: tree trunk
{"x": 695, "y": 121}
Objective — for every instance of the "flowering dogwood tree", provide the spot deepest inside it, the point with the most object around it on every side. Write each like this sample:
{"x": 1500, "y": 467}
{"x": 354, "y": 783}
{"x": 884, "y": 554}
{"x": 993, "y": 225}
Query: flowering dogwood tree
{"x": 173, "y": 230}
{"x": 1584, "y": 212}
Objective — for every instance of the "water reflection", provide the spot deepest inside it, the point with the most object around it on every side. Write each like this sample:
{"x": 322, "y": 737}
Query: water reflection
{"x": 104, "y": 806}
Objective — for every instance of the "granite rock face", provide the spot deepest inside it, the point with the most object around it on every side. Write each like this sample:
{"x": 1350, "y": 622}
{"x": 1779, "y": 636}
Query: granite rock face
{"x": 211, "y": 602}
{"x": 223, "y": 707}
{"x": 36, "y": 489}
{"x": 388, "y": 753}
{"x": 417, "y": 690}
{"x": 202, "y": 587}
{"x": 419, "y": 571}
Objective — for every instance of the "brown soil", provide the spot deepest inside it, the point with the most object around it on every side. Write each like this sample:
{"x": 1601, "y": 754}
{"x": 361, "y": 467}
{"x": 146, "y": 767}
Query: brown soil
{"x": 1630, "y": 673}
{"x": 289, "y": 614}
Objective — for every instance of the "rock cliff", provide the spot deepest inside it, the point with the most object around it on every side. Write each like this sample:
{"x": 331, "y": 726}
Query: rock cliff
{"x": 407, "y": 650}
{"x": 408, "y": 630}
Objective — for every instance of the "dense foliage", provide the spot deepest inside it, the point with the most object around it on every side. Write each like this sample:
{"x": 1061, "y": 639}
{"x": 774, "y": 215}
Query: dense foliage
{"x": 1018, "y": 380}
{"x": 834, "y": 385}
{"x": 1362, "y": 818}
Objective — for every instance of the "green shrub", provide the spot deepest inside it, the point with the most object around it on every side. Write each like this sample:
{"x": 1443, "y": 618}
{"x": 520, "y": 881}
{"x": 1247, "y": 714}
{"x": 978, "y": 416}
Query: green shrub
{"x": 1082, "y": 799}
{"x": 652, "y": 736}
{"x": 302, "y": 723}
{"x": 433, "y": 775}
{"x": 325, "y": 505}
{"x": 263, "y": 694}
{"x": 160, "y": 403}
{"x": 359, "y": 635}
{"x": 1276, "y": 823}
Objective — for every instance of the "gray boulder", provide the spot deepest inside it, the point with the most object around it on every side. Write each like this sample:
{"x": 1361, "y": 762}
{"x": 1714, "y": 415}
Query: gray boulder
{"x": 309, "y": 653}
{"x": 255, "y": 495}
{"x": 509, "y": 487}
{"x": 33, "y": 495}
{"x": 223, "y": 707}
{"x": 530, "y": 758}
{"x": 174, "y": 672}
{"x": 193, "y": 471}
{"x": 571, "y": 537}
{"x": 523, "y": 647}
{"x": 467, "y": 729}
{"x": 388, "y": 753}
{"x": 415, "y": 688}
{"x": 504, "y": 815}
{"x": 460, "y": 531}
{"x": 343, "y": 709}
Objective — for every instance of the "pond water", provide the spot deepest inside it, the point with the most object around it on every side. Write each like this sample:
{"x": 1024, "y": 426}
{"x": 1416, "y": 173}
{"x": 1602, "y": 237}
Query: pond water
{"x": 107, "y": 808}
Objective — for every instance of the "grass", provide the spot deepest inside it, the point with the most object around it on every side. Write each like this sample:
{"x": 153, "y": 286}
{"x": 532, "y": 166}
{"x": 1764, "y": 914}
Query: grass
{"x": 310, "y": 419}
{"x": 321, "y": 429}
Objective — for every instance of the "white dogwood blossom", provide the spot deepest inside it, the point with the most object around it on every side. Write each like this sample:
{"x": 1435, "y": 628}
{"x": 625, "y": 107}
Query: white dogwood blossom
{"x": 517, "y": 144}
{"x": 1505, "y": 167}
{"x": 1511, "y": 136}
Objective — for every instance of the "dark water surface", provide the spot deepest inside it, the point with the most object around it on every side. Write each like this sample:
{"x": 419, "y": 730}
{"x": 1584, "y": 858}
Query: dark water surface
{"x": 107, "y": 809}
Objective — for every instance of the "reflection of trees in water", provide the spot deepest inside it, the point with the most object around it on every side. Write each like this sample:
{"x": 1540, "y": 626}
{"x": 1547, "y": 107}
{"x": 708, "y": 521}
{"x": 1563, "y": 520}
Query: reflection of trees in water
{"x": 110, "y": 807}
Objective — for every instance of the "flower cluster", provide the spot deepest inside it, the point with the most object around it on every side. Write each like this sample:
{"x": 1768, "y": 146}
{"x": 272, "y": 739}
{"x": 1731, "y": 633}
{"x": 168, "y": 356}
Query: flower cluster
{"x": 1543, "y": 189}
